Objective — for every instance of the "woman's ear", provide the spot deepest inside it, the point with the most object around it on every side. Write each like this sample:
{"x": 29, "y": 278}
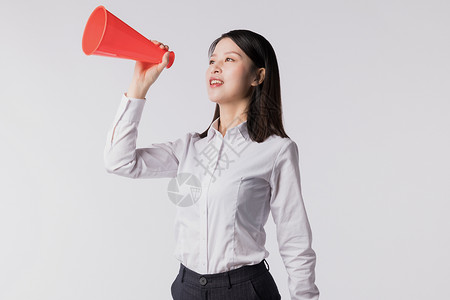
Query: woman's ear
{"x": 260, "y": 75}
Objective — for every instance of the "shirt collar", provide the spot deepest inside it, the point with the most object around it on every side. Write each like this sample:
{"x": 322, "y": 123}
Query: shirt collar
{"x": 241, "y": 128}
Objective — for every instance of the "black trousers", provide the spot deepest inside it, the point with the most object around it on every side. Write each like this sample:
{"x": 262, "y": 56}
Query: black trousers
{"x": 245, "y": 283}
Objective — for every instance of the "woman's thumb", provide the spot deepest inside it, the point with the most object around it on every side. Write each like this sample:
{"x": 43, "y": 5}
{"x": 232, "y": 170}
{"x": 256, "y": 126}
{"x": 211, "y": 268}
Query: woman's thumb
{"x": 165, "y": 60}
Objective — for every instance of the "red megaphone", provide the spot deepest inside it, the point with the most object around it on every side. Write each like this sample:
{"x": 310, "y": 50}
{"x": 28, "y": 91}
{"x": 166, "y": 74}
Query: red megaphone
{"x": 107, "y": 35}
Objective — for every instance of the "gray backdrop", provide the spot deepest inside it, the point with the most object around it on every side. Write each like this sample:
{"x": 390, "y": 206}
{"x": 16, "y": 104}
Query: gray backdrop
{"x": 365, "y": 87}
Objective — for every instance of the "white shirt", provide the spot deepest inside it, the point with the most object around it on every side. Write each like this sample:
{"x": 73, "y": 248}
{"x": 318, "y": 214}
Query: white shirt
{"x": 241, "y": 182}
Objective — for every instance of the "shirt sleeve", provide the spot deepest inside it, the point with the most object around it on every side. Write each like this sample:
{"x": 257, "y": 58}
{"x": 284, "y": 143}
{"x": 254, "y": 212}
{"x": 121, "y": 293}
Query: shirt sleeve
{"x": 292, "y": 226}
{"x": 120, "y": 154}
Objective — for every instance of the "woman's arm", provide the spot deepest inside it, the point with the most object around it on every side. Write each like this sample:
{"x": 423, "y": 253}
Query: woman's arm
{"x": 120, "y": 154}
{"x": 293, "y": 229}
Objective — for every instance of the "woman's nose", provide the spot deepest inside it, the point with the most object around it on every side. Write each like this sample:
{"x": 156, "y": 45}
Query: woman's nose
{"x": 216, "y": 69}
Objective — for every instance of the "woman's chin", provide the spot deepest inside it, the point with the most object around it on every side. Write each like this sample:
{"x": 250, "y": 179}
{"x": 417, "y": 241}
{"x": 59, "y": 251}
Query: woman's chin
{"x": 213, "y": 99}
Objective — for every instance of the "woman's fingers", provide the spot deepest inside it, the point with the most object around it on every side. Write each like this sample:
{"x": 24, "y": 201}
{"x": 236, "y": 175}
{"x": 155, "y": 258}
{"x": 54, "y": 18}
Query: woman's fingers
{"x": 160, "y": 44}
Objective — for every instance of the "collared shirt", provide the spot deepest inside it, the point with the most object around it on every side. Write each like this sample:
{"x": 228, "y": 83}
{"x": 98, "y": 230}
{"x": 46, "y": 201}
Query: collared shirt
{"x": 233, "y": 183}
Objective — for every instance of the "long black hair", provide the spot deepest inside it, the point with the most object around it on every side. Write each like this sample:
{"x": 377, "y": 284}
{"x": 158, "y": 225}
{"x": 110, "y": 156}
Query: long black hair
{"x": 264, "y": 112}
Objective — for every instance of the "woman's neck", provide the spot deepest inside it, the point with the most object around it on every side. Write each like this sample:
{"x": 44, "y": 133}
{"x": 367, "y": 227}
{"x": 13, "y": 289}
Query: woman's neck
{"x": 230, "y": 122}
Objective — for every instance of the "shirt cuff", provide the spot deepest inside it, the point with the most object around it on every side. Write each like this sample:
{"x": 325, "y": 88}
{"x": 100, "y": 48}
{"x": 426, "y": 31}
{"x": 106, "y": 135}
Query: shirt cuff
{"x": 125, "y": 94}
{"x": 130, "y": 109}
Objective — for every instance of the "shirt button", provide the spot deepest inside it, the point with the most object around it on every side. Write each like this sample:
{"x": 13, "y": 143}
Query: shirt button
{"x": 203, "y": 280}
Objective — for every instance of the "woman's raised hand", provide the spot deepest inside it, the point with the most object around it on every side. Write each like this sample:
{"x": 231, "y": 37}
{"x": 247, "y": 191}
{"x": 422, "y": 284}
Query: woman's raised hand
{"x": 145, "y": 74}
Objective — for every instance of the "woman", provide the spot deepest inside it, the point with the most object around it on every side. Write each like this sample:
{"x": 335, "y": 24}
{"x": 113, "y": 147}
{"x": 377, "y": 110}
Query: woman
{"x": 242, "y": 167}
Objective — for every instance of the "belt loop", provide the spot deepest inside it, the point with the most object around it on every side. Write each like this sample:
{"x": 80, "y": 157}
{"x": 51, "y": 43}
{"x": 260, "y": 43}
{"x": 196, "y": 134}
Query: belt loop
{"x": 182, "y": 276}
{"x": 268, "y": 267}
{"x": 229, "y": 280}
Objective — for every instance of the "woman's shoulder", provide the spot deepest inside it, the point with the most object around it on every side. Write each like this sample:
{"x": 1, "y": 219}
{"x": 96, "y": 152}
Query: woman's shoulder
{"x": 278, "y": 141}
{"x": 192, "y": 135}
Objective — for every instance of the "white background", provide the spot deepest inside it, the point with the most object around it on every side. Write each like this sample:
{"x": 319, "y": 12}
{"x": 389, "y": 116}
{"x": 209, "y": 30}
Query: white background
{"x": 365, "y": 91}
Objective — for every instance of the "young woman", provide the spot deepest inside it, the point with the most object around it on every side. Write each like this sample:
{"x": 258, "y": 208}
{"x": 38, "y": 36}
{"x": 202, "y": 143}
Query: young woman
{"x": 242, "y": 167}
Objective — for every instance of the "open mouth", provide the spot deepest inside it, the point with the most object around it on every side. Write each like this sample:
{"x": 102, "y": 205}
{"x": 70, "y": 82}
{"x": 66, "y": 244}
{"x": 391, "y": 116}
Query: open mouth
{"x": 215, "y": 83}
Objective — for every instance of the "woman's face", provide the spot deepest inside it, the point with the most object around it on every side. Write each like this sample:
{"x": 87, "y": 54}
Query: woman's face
{"x": 232, "y": 66}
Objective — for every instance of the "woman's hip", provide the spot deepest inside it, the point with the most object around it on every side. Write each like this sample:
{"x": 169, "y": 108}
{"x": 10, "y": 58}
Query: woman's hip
{"x": 247, "y": 282}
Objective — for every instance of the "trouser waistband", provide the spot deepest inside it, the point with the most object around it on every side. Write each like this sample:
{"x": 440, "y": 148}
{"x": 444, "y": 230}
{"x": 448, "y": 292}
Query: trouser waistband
{"x": 223, "y": 279}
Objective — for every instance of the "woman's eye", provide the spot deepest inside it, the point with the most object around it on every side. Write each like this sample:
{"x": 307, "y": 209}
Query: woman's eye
{"x": 225, "y": 59}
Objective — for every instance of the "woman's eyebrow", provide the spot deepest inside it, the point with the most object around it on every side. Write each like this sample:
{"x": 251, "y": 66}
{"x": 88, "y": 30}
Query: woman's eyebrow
{"x": 229, "y": 52}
